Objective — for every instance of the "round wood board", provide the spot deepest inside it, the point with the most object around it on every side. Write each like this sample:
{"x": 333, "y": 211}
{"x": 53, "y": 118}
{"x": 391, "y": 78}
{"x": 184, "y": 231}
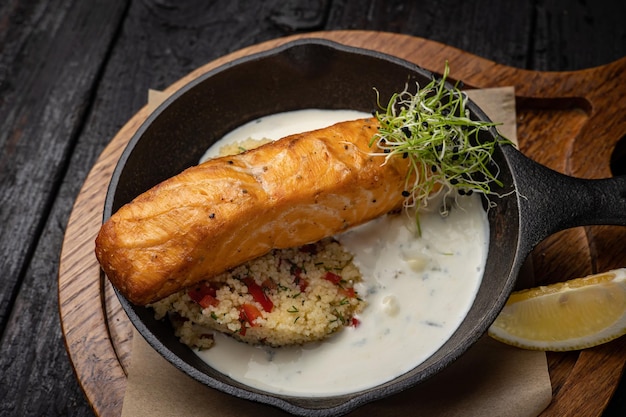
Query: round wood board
{"x": 98, "y": 333}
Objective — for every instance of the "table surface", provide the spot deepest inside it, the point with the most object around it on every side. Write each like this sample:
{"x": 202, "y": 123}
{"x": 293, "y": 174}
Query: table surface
{"x": 73, "y": 72}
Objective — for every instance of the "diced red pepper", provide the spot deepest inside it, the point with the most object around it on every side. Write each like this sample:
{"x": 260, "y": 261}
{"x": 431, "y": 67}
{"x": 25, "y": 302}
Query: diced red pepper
{"x": 348, "y": 292}
{"x": 258, "y": 294}
{"x": 204, "y": 295}
{"x": 269, "y": 284}
{"x": 296, "y": 271}
{"x": 249, "y": 313}
{"x": 301, "y": 282}
{"x": 208, "y": 300}
{"x": 355, "y": 322}
{"x": 332, "y": 277}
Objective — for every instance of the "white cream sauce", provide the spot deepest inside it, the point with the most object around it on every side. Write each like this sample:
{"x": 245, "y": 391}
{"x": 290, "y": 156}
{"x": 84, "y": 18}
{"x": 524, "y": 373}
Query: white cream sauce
{"x": 418, "y": 290}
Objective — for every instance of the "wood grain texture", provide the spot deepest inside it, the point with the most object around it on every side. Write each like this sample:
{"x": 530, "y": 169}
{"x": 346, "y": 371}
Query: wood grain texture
{"x": 31, "y": 120}
{"x": 75, "y": 72}
{"x": 47, "y": 82}
{"x": 80, "y": 275}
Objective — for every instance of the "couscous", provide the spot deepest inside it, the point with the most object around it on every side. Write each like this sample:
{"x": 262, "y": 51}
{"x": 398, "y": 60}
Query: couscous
{"x": 287, "y": 297}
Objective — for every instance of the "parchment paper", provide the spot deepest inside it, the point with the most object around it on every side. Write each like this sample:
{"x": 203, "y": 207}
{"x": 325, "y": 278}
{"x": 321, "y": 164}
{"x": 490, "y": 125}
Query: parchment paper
{"x": 491, "y": 379}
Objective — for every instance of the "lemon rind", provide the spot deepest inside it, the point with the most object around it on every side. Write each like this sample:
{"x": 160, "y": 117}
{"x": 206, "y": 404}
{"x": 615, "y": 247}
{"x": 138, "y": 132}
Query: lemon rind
{"x": 617, "y": 328}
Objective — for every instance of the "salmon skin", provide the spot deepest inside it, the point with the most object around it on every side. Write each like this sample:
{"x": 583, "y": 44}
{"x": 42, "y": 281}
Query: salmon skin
{"x": 226, "y": 211}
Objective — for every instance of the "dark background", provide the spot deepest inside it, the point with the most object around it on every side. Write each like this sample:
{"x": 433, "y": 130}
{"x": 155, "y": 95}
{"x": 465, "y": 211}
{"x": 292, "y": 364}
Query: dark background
{"x": 72, "y": 72}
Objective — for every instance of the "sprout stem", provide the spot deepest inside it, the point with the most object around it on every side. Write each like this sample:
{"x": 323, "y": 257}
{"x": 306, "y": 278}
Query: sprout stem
{"x": 433, "y": 129}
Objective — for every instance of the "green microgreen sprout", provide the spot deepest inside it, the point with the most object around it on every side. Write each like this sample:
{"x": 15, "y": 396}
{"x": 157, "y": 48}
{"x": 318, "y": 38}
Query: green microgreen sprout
{"x": 433, "y": 130}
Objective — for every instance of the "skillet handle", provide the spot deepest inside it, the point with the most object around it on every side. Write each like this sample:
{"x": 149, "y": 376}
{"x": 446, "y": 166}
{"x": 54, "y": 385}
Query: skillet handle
{"x": 550, "y": 201}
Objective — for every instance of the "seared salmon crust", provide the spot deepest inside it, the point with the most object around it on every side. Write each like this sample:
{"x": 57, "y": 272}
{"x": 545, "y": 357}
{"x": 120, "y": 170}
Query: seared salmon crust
{"x": 217, "y": 215}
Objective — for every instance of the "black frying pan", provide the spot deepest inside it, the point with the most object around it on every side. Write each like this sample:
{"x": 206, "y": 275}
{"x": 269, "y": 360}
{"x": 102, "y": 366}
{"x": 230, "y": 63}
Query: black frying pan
{"x": 320, "y": 74}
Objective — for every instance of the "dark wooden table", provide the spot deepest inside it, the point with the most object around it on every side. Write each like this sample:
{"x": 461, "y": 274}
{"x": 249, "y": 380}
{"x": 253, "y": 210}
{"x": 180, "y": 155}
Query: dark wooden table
{"x": 73, "y": 72}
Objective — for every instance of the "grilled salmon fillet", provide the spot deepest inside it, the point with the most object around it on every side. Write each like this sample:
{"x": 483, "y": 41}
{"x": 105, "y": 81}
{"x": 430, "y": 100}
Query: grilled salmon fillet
{"x": 226, "y": 211}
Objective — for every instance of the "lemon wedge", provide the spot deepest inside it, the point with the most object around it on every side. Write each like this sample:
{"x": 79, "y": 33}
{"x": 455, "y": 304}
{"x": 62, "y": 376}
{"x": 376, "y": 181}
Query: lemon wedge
{"x": 571, "y": 315}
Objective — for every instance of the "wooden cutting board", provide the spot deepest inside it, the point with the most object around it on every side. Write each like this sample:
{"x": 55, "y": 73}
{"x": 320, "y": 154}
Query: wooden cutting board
{"x": 569, "y": 121}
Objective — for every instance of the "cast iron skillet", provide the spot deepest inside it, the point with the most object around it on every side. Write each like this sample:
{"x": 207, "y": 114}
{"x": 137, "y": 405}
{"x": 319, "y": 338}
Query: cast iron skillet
{"x": 536, "y": 201}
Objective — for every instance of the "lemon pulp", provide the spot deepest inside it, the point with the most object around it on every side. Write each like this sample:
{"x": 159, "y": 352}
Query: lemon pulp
{"x": 571, "y": 315}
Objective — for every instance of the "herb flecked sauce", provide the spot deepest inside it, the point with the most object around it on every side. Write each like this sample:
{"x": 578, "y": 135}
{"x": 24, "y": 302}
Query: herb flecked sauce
{"x": 417, "y": 290}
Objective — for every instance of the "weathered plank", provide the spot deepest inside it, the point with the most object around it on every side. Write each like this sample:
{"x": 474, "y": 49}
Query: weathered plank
{"x": 51, "y": 55}
{"x": 470, "y": 25}
{"x": 573, "y": 35}
{"x": 51, "y": 59}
